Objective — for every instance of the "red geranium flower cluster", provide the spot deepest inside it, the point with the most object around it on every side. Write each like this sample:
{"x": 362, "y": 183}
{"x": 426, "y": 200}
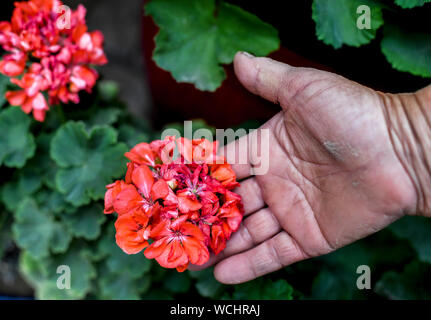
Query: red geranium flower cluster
{"x": 49, "y": 51}
{"x": 183, "y": 206}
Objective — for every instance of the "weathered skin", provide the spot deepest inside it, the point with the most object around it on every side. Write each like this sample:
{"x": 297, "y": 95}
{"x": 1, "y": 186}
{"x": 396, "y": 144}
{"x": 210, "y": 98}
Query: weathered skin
{"x": 345, "y": 161}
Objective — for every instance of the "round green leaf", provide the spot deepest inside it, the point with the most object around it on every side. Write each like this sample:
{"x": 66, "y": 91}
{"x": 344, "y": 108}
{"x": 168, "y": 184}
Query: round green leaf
{"x": 197, "y": 36}
{"x": 85, "y": 222}
{"x": 336, "y": 22}
{"x": 417, "y": 230}
{"x": 408, "y": 52}
{"x": 263, "y": 289}
{"x": 408, "y": 4}
{"x": 88, "y": 161}
{"x": 16, "y": 142}
{"x": 120, "y": 286}
{"x": 4, "y": 81}
{"x": 43, "y": 273}
{"x": 412, "y": 283}
{"x": 33, "y": 229}
{"x": 27, "y": 182}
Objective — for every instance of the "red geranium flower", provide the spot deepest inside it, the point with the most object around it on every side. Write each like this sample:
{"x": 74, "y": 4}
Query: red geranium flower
{"x": 48, "y": 58}
{"x": 177, "y": 193}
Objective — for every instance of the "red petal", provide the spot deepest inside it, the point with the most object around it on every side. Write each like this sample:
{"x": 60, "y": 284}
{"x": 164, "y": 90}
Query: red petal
{"x": 160, "y": 190}
{"x": 111, "y": 194}
{"x": 143, "y": 179}
{"x": 127, "y": 200}
{"x": 16, "y": 98}
{"x": 141, "y": 154}
{"x": 186, "y": 205}
{"x": 155, "y": 249}
{"x": 128, "y": 237}
{"x": 218, "y": 240}
{"x": 196, "y": 251}
{"x": 181, "y": 260}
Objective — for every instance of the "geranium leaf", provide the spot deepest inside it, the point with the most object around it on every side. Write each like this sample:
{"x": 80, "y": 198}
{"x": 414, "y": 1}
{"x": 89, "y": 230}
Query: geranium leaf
{"x": 336, "y": 22}
{"x": 206, "y": 284}
{"x": 408, "y": 52}
{"x": 413, "y": 283}
{"x": 27, "y": 182}
{"x": 87, "y": 161}
{"x": 120, "y": 286}
{"x": 85, "y": 222}
{"x": 43, "y": 273}
{"x": 116, "y": 261}
{"x": 407, "y": 4}
{"x": 417, "y": 230}
{"x": 52, "y": 201}
{"x": 197, "y": 36}
{"x": 4, "y": 81}
{"x": 16, "y": 142}
{"x": 263, "y": 289}
{"x": 36, "y": 231}
{"x": 131, "y": 136}
{"x": 105, "y": 116}
{"x": 33, "y": 229}
{"x": 337, "y": 276}
{"x": 61, "y": 238}
{"x": 177, "y": 282}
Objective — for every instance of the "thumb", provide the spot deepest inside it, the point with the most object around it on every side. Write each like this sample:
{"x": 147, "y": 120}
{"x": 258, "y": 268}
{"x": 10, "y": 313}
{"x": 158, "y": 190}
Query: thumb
{"x": 276, "y": 81}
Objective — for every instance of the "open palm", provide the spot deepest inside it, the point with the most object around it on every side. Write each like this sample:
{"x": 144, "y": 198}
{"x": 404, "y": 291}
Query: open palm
{"x": 333, "y": 175}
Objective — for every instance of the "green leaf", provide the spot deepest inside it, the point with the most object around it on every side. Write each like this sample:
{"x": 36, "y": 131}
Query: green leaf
{"x": 26, "y": 183}
{"x": 4, "y": 81}
{"x": 85, "y": 222}
{"x": 206, "y": 284}
{"x": 408, "y": 4}
{"x": 42, "y": 274}
{"x": 336, "y": 22}
{"x": 131, "y": 136}
{"x": 43, "y": 164}
{"x": 177, "y": 282}
{"x": 412, "y": 284}
{"x": 122, "y": 287}
{"x": 61, "y": 238}
{"x": 16, "y": 142}
{"x": 263, "y": 289}
{"x": 104, "y": 116}
{"x": 36, "y": 231}
{"x": 52, "y": 202}
{"x": 6, "y": 239}
{"x": 417, "y": 230}
{"x": 122, "y": 276}
{"x": 88, "y": 161}
{"x": 197, "y": 36}
{"x": 33, "y": 229}
{"x": 337, "y": 276}
{"x": 406, "y": 51}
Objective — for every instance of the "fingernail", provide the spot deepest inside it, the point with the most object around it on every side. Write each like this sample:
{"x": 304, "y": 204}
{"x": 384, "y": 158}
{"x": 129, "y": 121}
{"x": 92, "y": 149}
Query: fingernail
{"x": 248, "y": 55}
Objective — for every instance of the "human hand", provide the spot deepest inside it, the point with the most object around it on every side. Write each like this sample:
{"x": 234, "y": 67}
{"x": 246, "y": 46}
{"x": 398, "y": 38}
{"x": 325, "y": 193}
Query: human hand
{"x": 345, "y": 161}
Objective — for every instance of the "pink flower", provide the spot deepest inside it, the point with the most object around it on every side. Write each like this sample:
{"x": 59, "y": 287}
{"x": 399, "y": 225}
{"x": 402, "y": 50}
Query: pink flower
{"x": 61, "y": 56}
